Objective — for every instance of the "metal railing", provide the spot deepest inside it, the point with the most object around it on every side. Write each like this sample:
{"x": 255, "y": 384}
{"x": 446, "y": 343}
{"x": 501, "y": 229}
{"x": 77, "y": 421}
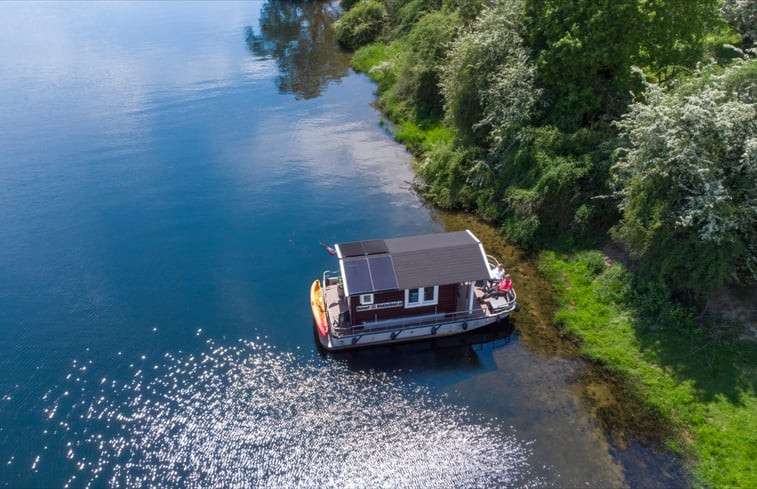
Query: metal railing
{"x": 409, "y": 322}
{"x": 331, "y": 277}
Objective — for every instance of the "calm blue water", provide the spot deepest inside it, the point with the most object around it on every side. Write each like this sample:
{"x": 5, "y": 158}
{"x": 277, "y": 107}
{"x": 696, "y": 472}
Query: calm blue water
{"x": 167, "y": 171}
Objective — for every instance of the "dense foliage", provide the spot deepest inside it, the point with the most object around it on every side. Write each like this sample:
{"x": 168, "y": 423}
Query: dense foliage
{"x": 361, "y": 24}
{"x": 518, "y": 107}
{"x": 419, "y": 70}
{"x": 686, "y": 170}
{"x": 585, "y": 49}
{"x": 487, "y": 80}
{"x": 742, "y": 15}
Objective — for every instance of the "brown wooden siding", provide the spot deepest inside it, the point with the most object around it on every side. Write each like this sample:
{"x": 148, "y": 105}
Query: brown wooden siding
{"x": 447, "y": 303}
{"x": 447, "y": 298}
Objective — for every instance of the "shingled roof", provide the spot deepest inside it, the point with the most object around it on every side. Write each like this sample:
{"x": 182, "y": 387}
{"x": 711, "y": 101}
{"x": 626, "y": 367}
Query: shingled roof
{"x": 416, "y": 261}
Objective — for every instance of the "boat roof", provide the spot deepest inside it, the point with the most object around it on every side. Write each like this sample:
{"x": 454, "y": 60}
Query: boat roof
{"x": 411, "y": 262}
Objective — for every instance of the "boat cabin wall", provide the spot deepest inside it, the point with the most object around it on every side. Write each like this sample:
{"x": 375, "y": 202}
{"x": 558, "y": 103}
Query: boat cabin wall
{"x": 391, "y": 305}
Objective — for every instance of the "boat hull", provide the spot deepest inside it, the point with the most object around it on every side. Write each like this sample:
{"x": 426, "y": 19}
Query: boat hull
{"x": 401, "y": 335}
{"x": 318, "y": 308}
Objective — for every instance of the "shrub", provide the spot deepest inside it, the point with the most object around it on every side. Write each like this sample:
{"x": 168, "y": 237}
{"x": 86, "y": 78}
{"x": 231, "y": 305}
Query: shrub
{"x": 522, "y": 222}
{"x": 522, "y": 229}
{"x": 685, "y": 172}
{"x": 361, "y": 24}
{"x": 444, "y": 170}
{"x": 487, "y": 82}
{"x": 614, "y": 285}
{"x": 418, "y": 74}
{"x": 561, "y": 173}
{"x": 347, "y": 4}
{"x": 592, "y": 261}
{"x": 467, "y": 9}
{"x": 408, "y": 14}
{"x": 742, "y": 15}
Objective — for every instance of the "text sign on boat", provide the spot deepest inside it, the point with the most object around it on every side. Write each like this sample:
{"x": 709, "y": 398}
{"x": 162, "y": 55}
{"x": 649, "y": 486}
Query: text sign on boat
{"x": 383, "y": 305}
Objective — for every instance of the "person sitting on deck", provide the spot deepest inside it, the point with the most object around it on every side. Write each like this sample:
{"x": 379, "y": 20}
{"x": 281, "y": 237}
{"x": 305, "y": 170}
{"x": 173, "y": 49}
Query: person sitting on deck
{"x": 504, "y": 287}
{"x": 496, "y": 275}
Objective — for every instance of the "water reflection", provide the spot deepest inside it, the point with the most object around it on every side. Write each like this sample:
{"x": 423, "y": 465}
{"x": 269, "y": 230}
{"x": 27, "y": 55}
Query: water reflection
{"x": 249, "y": 415}
{"x": 299, "y": 36}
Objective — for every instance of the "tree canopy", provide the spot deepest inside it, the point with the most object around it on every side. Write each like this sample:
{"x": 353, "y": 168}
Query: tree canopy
{"x": 586, "y": 48}
{"x": 523, "y": 103}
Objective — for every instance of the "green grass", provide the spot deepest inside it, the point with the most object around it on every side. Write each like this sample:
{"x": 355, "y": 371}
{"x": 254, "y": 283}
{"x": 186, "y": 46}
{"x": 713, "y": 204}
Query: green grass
{"x": 715, "y": 45}
{"x": 419, "y": 137}
{"x": 372, "y": 55}
{"x": 379, "y": 62}
{"x": 699, "y": 389}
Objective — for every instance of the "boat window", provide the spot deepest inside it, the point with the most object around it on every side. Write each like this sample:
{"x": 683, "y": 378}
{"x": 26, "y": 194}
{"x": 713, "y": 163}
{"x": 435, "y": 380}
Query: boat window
{"x": 426, "y": 296}
{"x": 414, "y": 296}
{"x": 366, "y": 299}
{"x": 429, "y": 294}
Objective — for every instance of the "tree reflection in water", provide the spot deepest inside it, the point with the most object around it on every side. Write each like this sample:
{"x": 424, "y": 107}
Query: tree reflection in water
{"x": 299, "y": 36}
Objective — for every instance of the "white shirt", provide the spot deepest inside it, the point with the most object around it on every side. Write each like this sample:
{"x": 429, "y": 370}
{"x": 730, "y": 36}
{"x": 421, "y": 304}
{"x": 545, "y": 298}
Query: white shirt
{"x": 497, "y": 273}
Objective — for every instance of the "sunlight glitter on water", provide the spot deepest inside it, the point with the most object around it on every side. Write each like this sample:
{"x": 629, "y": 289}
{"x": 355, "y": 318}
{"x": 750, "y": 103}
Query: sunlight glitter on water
{"x": 249, "y": 416}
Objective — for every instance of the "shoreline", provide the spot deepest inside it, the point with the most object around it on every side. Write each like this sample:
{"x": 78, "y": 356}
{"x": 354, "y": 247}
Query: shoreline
{"x": 606, "y": 395}
{"x": 676, "y": 385}
{"x": 674, "y": 389}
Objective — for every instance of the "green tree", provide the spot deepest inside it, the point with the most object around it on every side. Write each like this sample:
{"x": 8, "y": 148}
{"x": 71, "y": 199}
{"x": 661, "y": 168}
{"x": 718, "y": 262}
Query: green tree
{"x": 419, "y": 70}
{"x": 538, "y": 180}
{"x": 487, "y": 82}
{"x": 673, "y": 34}
{"x": 585, "y": 49}
{"x": 686, "y": 170}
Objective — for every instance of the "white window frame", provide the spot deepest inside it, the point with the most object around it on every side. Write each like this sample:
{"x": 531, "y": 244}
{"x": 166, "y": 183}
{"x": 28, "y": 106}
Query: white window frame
{"x": 366, "y": 299}
{"x": 422, "y": 300}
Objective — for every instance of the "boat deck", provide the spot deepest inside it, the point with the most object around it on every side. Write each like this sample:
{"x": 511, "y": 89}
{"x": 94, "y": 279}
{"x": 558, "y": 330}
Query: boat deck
{"x": 336, "y": 303}
{"x": 492, "y": 305}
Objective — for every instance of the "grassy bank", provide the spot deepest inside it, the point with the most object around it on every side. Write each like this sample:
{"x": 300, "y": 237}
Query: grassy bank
{"x": 696, "y": 390}
{"x": 417, "y": 133}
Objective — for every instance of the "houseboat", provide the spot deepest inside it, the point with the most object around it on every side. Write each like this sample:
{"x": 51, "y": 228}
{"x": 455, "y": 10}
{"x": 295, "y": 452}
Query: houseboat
{"x": 404, "y": 289}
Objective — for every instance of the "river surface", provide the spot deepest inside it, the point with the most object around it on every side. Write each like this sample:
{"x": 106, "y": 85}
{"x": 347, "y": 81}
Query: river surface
{"x": 167, "y": 171}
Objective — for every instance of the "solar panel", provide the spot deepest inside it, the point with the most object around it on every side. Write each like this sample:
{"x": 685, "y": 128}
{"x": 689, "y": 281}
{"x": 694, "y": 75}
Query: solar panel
{"x": 357, "y": 276}
{"x": 374, "y": 247}
{"x": 362, "y": 248}
{"x": 382, "y": 273}
{"x": 354, "y": 248}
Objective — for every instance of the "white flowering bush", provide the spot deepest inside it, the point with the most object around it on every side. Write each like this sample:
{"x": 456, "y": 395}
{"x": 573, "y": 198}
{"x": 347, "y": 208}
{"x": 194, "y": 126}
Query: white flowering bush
{"x": 742, "y": 15}
{"x": 686, "y": 175}
{"x": 488, "y": 81}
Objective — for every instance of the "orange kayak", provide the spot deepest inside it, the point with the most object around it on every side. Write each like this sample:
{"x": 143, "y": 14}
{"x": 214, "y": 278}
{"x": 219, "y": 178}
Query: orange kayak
{"x": 319, "y": 308}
